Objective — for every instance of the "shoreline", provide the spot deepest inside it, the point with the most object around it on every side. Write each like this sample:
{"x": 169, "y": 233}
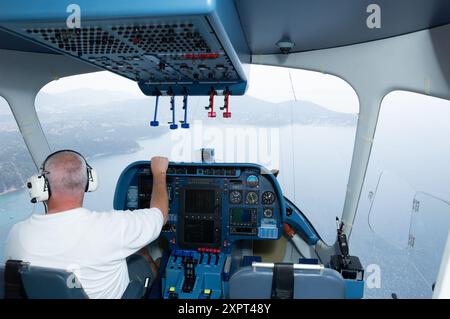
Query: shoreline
{"x": 94, "y": 157}
{"x": 11, "y": 190}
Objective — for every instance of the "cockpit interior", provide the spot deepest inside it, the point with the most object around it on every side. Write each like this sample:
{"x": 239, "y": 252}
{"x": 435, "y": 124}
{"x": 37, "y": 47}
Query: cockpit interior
{"x": 217, "y": 212}
{"x": 232, "y": 232}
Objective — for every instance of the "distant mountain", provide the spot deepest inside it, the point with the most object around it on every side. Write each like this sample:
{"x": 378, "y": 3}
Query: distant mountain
{"x": 109, "y": 122}
{"x": 246, "y": 110}
{"x": 81, "y": 97}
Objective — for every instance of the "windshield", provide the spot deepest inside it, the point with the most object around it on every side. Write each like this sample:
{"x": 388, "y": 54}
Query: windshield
{"x": 299, "y": 122}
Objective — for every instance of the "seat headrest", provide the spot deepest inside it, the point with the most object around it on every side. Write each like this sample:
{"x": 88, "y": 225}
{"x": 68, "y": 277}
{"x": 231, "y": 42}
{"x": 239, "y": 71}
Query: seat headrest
{"x": 256, "y": 283}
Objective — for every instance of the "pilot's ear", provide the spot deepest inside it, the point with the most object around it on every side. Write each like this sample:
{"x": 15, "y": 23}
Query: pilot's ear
{"x": 275, "y": 172}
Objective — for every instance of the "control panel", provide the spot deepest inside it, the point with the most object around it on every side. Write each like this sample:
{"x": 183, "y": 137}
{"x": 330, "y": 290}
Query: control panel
{"x": 210, "y": 205}
{"x": 194, "y": 274}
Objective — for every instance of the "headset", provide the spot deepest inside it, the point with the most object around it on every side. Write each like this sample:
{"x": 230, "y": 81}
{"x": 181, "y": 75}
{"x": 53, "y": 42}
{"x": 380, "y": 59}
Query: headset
{"x": 39, "y": 186}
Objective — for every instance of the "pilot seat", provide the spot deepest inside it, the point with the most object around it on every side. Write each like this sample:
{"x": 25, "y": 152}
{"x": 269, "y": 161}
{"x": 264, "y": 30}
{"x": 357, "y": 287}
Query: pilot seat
{"x": 32, "y": 282}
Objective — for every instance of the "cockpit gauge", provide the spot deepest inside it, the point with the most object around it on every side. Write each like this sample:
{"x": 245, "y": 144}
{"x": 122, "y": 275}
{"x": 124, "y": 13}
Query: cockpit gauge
{"x": 235, "y": 197}
{"x": 268, "y": 213}
{"x": 251, "y": 198}
{"x": 252, "y": 181}
{"x": 268, "y": 198}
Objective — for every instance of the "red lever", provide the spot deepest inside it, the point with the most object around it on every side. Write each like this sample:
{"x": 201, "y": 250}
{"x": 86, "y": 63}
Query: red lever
{"x": 227, "y": 113}
{"x": 211, "y": 113}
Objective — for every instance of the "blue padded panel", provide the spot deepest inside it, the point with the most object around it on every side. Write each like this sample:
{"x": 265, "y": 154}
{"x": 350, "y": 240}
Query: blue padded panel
{"x": 45, "y": 283}
{"x": 257, "y": 284}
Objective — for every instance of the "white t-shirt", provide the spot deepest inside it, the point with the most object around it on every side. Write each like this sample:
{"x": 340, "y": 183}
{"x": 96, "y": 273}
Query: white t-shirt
{"x": 94, "y": 245}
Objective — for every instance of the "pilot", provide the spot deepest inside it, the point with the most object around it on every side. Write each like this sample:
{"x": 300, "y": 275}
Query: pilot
{"x": 105, "y": 250}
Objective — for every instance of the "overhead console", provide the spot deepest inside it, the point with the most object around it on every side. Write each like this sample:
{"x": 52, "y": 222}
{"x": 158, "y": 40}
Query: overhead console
{"x": 171, "y": 48}
{"x": 211, "y": 207}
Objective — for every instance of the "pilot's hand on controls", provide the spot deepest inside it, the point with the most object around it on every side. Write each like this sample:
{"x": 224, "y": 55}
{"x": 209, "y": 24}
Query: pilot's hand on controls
{"x": 159, "y": 165}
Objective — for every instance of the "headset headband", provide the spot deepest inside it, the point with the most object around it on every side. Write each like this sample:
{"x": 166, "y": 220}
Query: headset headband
{"x": 61, "y": 151}
{"x": 39, "y": 186}
{"x": 88, "y": 167}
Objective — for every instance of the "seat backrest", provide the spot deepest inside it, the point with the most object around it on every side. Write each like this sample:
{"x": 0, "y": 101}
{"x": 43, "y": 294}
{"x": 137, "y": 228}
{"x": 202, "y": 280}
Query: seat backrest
{"x": 256, "y": 283}
{"x": 47, "y": 283}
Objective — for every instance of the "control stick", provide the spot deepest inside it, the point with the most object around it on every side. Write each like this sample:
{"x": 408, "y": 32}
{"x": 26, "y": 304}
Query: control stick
{"x": 184, "y": 123}
{"x": 173, "y": 125}
{"x": 155, "y": 122}
{"x": 210, "y": 107}
{"x": 227, "y": 113}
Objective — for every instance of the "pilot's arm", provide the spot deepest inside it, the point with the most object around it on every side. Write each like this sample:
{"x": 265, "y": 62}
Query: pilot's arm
{"x": 160, "y": 199}
{"x": 140, "y": 227}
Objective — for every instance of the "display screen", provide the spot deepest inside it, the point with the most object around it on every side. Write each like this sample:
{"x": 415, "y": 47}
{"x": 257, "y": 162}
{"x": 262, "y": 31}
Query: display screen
{"x": 200, "y": 201}
{"x": 199, "y": 231}
{"x": 241, "y": 216}
{"x": 146, "y": 189}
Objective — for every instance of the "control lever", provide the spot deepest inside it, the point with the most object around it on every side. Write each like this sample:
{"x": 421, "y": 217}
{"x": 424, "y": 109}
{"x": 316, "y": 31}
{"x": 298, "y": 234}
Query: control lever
{"x": 155, "y": 122}
{"x": 210, "y": 107}
{"x": 227, "y": 113}
{"x": 189, "y": 274}
{"x": 173, "y": 125}
{"x": 217, "y": 259}
{"x": 343, "y": 243}
{"x": 184, "y": 123}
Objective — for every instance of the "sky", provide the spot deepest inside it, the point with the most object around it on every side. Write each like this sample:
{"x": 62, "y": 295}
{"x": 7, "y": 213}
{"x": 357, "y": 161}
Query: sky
{"x": 265, "y": 82}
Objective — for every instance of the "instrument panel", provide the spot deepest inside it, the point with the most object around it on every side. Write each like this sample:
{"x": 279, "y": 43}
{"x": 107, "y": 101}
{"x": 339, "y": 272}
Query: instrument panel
{"x": 210, "y": 205}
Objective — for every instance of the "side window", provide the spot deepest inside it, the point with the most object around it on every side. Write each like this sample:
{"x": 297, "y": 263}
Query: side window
{"x": 404, "y": 211}
{"x": 15, "y": 167}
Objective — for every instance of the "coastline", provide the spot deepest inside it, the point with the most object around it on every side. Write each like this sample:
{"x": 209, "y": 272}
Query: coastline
{"x": 11, "y": 190}
{"x": 93, "y": 157}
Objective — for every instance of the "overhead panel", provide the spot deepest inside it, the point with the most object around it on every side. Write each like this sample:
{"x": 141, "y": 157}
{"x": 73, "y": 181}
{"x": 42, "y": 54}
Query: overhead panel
{"x": 167, "y": 48}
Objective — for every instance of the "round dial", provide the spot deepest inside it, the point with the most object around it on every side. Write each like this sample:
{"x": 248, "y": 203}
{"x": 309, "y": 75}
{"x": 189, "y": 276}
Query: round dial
{"x": 268, "y": 198}
{"x": 268, "y": 213}
{"x": 252, "y": 181}
{"x": 235, "y": 197}
{"x": 252, "y": 198}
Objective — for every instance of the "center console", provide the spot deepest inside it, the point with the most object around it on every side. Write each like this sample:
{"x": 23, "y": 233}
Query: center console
{"x": 212, "y": 207}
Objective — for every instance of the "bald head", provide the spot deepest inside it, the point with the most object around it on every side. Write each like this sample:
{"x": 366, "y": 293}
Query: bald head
{"x": 66, "y": 174}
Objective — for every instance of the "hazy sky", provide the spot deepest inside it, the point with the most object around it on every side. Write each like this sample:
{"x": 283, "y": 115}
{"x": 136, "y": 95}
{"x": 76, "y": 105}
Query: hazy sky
{"x": 266, "y": 83}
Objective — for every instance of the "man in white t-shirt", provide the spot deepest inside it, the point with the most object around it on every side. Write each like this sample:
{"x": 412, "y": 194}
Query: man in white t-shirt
{"x": 94, "y": 245}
